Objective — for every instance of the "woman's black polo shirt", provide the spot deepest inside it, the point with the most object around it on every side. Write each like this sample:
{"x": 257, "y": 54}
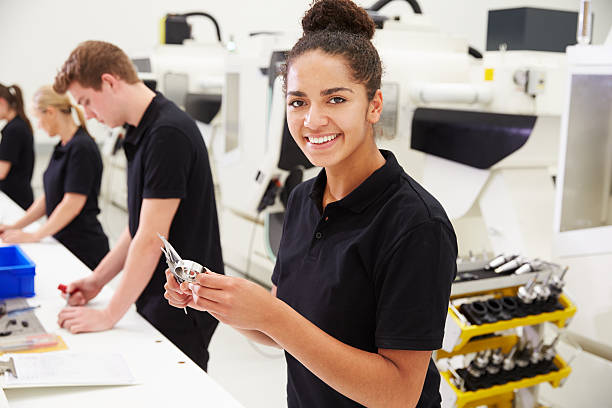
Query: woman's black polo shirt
{"x": 167, "y": 158}
{"x": 373, "y": 270}
{"x": 76, "y": 167}
{"x": 17, "y": 147}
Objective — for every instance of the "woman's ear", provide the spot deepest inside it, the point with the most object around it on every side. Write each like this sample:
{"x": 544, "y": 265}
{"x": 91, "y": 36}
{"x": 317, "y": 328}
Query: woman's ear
{"x": 375, "y": 108}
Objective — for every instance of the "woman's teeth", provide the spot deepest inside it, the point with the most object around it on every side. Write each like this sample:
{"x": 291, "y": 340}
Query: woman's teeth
{"x": 319, "y": 140}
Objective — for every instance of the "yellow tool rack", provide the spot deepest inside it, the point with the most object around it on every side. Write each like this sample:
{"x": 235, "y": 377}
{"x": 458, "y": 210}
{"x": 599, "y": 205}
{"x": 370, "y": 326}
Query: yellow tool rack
{"x": 463, "y": 338}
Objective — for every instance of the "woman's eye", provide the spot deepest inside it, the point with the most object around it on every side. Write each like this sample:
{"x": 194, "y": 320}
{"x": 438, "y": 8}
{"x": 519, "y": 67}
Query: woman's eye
{"x": 296, "y": 104}
{"x": 337, "y": 99}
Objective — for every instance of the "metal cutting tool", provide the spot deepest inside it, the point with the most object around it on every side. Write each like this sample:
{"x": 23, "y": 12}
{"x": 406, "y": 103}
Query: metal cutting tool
{"x": 182, "y": 269}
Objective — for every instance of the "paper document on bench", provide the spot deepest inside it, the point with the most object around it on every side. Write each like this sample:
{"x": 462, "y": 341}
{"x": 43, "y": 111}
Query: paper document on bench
{"x": 65, "y": 368}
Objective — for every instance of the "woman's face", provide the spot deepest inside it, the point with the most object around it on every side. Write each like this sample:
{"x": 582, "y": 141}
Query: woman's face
{"x": 47, "y": 120}
{"x": 4, "y": 109}
{"x": 328, "y": 113}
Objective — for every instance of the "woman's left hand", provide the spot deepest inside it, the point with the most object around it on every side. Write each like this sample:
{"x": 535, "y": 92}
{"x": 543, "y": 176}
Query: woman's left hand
{"x": 80, "y": 319}
{"x": 235, "y": 301}
{"x": 18, "y": 236}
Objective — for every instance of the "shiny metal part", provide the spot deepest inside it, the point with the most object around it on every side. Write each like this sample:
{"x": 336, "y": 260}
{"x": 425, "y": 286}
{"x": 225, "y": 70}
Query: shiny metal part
{"x": 542, "y": 290}
{"x": 557, "y": 282}
{"x": 536, "y": 356}
{"x": 8, "y": 367}
{"x": 525, "y": 293}
{"x": 509, "y": 364}
{"x": 183, "y": 270}
{"x": 548, "y": 350}
{"x": 532, "y": 266}
{"x": 513, "y": 264}
{"x": 499, "y": 261}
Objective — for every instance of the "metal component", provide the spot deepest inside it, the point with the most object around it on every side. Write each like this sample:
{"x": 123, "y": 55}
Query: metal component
{"x": 508, "y": 266}
{"x": 497, "y": 358}
{"x": 525, "y": 293}
{"x": 532, "y": 266}
{"x": 499, "y": 261}
{"x": 557, "y": 282}
{"x": 508, "y": 364}
{"x": 548, "y": 351}
{"x": 542, "y": 290}
{"x": 482, "y": 359}
{"x": 522, "y": 355}
{"x": 8, "y": 367}
{"x": 536, "y": 355}
{"x": 183, "y": 270}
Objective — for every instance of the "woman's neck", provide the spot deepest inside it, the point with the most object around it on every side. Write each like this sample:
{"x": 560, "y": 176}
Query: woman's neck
{"x": 66, "y": 130}
{"x": 350, "y": 173}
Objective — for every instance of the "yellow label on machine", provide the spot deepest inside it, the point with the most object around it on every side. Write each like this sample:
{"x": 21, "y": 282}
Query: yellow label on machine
{"x": 488, "y": 74}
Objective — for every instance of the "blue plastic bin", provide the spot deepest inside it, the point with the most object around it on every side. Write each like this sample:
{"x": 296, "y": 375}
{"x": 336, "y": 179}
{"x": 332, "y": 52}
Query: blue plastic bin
{"x": 16, "y": 273}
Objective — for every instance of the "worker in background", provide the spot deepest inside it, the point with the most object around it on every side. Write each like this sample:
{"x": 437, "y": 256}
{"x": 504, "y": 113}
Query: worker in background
{"x": 362, "y": 280}
{"x": 71, "y": 184}
{"x": 170, "y": 191}
{"x": 16, "y": 148}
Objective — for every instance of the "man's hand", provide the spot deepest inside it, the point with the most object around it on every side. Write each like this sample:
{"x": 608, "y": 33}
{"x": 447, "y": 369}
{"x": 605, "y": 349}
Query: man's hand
{"x": 17, "y": 236}
{"x": 83, "y": 290}
{"x": 84, "y": 319}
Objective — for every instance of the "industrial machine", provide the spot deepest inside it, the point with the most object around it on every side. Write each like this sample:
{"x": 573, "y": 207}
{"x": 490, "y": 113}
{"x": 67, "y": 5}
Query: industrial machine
{"x": 492, "y": 122}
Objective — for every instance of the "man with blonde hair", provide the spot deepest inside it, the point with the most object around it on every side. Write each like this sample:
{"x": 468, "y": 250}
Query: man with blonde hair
{"x": 170, "y": 191}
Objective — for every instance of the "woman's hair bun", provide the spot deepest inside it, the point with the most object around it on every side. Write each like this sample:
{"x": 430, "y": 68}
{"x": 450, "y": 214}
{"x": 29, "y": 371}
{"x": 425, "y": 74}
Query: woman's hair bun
{"x": 338, "y": 15}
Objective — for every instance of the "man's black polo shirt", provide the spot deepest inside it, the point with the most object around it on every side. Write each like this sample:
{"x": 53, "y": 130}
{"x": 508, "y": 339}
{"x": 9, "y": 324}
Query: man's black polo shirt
{"x": 167, "y": 158}
{"x": 76, "y": 167}
{"x": 17, "y": 147}
{"x": 373, "y": 270}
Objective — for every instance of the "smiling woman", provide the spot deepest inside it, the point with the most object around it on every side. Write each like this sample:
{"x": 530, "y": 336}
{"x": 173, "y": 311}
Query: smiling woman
{"x": 366, "y": 260}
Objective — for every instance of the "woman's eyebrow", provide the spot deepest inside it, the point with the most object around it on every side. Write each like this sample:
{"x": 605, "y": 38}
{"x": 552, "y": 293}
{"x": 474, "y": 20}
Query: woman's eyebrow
{"x": 296, "y": 93}
{"x": 330, "y": 91}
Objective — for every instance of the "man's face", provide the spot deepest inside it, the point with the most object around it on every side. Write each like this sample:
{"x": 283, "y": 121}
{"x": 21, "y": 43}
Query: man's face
{"x": 102, "y": 105}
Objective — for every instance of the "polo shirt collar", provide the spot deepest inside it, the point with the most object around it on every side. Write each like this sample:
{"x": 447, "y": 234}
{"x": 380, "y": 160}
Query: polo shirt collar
{"x": 64, "y": 148}
{"x": 134, "y": 134}
{"x": 368, "y": 191}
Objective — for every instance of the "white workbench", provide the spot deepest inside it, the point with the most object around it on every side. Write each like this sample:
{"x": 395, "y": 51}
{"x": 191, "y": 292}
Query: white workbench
{"x": 166, "y": 376}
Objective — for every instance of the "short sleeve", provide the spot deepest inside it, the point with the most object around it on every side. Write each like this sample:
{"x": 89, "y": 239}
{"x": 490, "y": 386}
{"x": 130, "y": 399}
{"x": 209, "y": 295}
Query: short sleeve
{"x": 413, "y": 288}
{"x": 80, "y": 171}
{"x": 10, "y": 146}
{"x": 286, "y": 219}
{"x": 167, "y": 164}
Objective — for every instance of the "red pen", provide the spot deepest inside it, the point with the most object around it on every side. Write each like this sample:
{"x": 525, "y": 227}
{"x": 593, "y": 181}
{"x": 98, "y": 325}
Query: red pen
{"x": 64, "y": 289}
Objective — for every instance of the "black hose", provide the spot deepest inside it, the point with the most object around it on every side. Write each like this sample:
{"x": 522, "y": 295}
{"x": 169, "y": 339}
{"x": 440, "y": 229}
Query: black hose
{"x": 381, "y": 3}
{"x": 474, "y": 52}
{"x": 201, "y": 13}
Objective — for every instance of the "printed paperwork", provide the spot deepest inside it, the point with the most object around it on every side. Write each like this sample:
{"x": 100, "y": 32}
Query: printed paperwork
{"x": 65, "y": 368}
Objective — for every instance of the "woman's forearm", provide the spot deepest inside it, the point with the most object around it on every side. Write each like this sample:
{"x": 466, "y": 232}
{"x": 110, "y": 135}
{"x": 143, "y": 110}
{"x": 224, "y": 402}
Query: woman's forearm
{"x": 33, "y": 213}
{"x": 368, "y": 378}
{"x": 66, "y": 211}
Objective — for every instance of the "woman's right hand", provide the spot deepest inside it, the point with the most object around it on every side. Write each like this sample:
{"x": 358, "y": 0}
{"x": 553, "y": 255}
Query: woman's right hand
{"x": 5, "y": 227}
{"x": 176, "y": 297}
{"x": 83, "y": 290}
